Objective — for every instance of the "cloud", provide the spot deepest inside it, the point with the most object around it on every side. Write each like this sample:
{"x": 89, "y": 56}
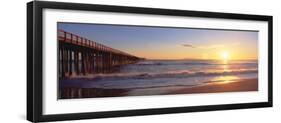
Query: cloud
{"x": 204, "y": 47}
{"x": 188, "y": 45}
{"x": 210, "y": 47}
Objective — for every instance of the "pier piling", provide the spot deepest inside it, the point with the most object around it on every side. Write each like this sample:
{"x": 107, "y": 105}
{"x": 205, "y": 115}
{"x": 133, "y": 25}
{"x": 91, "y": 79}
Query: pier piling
{"x": 80, "y": 56}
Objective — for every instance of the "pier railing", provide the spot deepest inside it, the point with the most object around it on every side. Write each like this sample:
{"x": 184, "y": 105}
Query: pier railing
{"x": 81, "y": 56}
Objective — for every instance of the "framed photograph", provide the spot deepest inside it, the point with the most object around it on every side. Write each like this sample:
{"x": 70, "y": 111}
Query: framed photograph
{"x": 89, "y": 61}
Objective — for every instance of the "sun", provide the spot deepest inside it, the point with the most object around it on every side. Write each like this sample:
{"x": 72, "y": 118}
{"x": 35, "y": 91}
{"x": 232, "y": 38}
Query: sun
{"x": 225, "y": 55}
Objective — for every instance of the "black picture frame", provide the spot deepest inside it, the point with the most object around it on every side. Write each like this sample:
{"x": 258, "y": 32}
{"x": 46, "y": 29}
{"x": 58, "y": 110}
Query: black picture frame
{"x": 35, "y": 69}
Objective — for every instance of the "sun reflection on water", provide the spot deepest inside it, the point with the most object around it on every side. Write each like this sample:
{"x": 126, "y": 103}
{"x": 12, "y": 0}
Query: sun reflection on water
{"x": 225, "y": 68}
{"x": 225, "y": 79}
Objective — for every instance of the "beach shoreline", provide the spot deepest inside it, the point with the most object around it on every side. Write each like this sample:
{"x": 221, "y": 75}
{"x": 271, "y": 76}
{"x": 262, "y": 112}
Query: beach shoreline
{"x": 241, "y": 85}
{"x": 236, "y": 86}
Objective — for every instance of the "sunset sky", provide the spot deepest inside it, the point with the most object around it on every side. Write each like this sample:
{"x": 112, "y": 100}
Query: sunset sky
{"x": 171, "y": 43}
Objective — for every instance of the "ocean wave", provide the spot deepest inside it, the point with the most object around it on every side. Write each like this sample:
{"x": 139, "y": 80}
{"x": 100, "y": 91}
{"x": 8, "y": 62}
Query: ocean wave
{"x": 192, "y": 63}
{"x": 170, "y": 74}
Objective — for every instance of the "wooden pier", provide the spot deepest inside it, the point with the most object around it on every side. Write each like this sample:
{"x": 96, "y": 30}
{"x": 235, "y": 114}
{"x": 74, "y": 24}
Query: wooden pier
{"x": 80, "y": 56}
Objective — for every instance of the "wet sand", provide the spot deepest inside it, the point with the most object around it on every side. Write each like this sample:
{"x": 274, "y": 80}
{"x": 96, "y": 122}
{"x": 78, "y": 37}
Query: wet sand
{"x": 209, "y": 87}
{"x": 73, "y": 93}
{"x": 237, "y": 86}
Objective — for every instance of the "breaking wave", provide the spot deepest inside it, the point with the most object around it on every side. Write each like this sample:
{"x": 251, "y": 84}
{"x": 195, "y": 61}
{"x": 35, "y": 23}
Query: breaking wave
{"x": 170, "y": 74}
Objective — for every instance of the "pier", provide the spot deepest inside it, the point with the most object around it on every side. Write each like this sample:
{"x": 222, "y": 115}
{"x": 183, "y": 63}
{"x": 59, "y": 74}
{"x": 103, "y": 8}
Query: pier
{"x": 80, "y": 56}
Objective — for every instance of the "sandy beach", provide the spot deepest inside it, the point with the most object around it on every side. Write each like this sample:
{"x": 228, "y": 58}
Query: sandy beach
{"x": 75, "y": 93}
{"x": 237, "y": 86}
{"x": 209, "y": 87}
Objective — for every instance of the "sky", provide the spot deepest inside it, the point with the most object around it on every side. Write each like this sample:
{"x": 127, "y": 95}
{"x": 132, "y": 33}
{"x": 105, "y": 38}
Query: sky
{"x": 171, "y": 42}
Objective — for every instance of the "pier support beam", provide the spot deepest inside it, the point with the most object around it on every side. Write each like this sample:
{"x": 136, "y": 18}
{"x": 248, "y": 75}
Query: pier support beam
{"x": 80, "y": 56}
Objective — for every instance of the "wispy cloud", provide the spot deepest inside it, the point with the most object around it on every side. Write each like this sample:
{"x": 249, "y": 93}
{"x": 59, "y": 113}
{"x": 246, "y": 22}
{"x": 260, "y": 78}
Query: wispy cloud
{"x": 209, "y": 47}
{"x": 188, "y": 45}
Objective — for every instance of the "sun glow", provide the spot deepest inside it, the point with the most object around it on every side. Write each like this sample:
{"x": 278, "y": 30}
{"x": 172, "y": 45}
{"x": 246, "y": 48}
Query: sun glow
{"x": 225, "y": 55}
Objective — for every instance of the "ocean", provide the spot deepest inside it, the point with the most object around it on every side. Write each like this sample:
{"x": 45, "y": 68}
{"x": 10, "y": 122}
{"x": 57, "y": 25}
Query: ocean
{"x": 168, "y": 73}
